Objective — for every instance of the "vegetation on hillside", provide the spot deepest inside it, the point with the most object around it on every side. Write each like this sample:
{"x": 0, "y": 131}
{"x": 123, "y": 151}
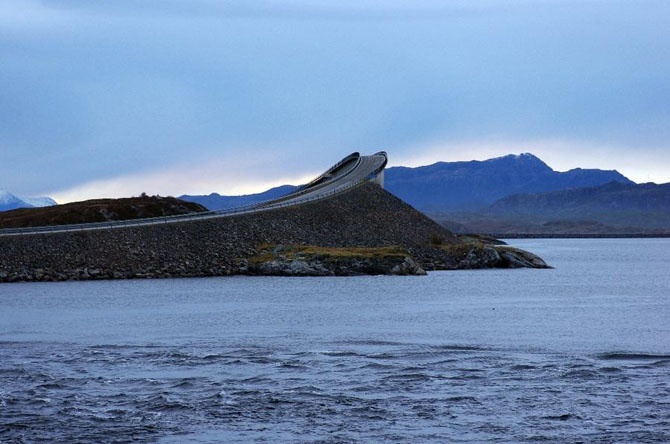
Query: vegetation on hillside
{"x": 265, "y": 252}
{"x": 98, "y": 210}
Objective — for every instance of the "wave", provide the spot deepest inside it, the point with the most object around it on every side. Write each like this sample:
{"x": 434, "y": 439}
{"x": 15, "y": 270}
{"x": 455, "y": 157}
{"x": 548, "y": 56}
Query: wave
{"x": 624, "y": 356}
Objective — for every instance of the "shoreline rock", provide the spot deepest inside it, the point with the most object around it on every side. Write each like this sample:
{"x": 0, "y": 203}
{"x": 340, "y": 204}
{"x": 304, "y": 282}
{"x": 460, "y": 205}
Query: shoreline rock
{"x": 315, "y": 261}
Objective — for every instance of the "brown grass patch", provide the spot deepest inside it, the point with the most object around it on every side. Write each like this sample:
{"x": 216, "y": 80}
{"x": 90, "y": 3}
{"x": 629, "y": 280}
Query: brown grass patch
{"x": 293, "y": 251}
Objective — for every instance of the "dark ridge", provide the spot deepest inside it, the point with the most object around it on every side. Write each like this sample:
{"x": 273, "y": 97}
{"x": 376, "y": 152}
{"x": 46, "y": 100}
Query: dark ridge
{"x": 614, "y": 209}
{"x": 98, "y": 210}
{"x": 215, "y": 201}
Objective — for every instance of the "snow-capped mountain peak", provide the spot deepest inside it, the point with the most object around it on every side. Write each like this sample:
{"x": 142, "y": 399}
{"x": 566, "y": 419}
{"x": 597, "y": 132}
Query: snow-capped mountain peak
{"x": 9, "y": 201}
{"x": 7, "y": 198}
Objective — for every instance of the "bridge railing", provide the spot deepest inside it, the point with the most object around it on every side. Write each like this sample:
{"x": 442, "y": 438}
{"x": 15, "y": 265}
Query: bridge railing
{"x": 318, "y": 183}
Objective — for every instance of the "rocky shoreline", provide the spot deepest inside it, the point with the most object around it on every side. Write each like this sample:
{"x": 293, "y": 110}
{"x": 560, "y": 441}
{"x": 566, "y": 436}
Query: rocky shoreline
{"x": 282, "y": 260}
{"x": 366, "y": 218}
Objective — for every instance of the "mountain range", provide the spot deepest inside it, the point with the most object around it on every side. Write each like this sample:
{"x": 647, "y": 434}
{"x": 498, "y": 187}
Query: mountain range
{"x": 9, "y": 201}
{"x": 455, "y": 186}
{"x": 521, "y": 195}
{"x": 473, "y": 185}
{"x": 509, "y": 195}
{"x": 514, "y": 194}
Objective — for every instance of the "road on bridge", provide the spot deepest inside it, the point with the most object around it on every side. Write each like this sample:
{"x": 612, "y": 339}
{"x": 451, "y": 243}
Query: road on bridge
{"x": 348, "y": 173}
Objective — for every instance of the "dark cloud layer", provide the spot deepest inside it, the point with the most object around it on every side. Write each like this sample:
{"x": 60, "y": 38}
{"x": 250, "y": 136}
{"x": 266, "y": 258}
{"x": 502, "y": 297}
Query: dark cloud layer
{"x": 95, "y": 91}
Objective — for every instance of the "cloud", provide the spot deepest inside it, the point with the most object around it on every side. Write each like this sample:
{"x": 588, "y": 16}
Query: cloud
{"x": 225, "y": 175}
{"x": 328, "y": 10}
{"x": 93, "y": 91}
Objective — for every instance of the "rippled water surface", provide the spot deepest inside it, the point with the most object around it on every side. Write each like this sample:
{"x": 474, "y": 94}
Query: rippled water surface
{"x": 580, "y": 353}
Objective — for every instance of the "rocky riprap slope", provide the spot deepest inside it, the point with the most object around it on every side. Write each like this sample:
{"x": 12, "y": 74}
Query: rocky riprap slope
{"x": 365, "y": 217}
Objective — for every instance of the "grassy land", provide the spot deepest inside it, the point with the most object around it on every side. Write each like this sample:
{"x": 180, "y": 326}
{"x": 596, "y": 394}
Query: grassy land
{"x": 266, "y": 251}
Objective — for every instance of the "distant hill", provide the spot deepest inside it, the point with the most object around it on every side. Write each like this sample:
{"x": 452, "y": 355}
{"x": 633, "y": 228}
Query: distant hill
{"x": 9, "y": 201}
{"x": 612, "y": 208}
{"x": 613, "y": 197}
{"x": 467, "y": 186}
{"x": 216, "y": 201}
{"x": 449, "y": 186}
{"x": 645, "y": 206}
{"x": 98, "y": 210}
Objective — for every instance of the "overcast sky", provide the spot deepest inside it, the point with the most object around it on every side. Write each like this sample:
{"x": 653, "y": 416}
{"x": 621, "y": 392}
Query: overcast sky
{"x": 116, "y": 98}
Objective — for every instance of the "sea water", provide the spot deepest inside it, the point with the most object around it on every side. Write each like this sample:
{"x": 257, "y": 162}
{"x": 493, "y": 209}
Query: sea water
{"x": 578, "y": 353}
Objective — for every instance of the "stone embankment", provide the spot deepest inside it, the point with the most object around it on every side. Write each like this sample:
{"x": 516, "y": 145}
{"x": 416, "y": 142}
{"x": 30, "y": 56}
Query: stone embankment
{"x": 365, "y": 217}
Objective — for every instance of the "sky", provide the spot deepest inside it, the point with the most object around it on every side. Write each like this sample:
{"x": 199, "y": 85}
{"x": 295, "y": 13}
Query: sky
{"x": 171, "y": 97}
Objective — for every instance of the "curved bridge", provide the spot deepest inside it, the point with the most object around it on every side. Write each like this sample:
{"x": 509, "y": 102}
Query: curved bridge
{"x": 348, "y": 173}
